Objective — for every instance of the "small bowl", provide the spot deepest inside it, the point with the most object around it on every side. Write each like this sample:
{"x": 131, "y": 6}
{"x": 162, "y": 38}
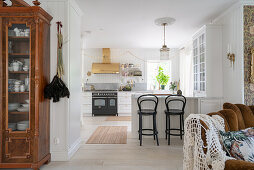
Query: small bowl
{"x": 25, "y": 68}
{"x": 25, "y": 105}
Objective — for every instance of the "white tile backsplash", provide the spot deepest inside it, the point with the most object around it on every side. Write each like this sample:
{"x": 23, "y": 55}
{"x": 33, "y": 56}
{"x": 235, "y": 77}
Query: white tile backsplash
{"x": 134, "y": 56}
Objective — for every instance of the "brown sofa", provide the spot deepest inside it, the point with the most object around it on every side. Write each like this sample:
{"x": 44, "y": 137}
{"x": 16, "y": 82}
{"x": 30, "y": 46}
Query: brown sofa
{"x": 236, "y": 117}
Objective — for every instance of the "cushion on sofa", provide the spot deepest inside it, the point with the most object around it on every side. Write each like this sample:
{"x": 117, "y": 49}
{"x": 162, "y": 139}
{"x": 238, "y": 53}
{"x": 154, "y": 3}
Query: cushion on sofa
{"x": 241, "y": 124}
{"x": 248, "y": 115}
{"x": 231, "y": 118}
{"x": 239, "y": 144}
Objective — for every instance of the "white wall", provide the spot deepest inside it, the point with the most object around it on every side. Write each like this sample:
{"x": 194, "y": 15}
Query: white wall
{"x": 74, "y": 77}
{"x": 65, "y": 115}
{"x": 135, "y": 56}
{"x": 232, "y": 33}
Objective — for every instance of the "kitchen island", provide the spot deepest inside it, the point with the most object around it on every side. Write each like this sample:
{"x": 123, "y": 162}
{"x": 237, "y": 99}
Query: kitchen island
{"x": 193, "y": 105}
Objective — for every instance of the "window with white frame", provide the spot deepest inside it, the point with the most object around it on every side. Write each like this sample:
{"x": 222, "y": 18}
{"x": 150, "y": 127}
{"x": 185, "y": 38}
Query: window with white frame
{"x": 152, "y": 72}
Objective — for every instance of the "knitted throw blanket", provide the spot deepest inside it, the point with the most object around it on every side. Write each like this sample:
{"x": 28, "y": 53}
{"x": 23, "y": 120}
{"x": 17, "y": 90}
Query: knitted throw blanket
{"x": 194, "y": 156}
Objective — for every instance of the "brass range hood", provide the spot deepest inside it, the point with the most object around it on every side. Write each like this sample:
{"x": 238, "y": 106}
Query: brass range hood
{"x": 106, "y": 67}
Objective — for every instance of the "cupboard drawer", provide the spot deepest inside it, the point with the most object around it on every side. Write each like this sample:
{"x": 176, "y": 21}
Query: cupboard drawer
{"x": 86, "y": 100}
{"x": 124, "y": 100}
{"x": 124, "y": 108}
{"x": 86, "y": 108}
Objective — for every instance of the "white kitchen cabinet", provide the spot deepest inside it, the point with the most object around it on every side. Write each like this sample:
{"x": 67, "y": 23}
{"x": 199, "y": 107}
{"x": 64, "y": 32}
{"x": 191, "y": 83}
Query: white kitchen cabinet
{"x": 207, "y": 65}
{"x": 209, "y": 105}
{"x": 124, "y": 102}
{"x": 87, "y": 103}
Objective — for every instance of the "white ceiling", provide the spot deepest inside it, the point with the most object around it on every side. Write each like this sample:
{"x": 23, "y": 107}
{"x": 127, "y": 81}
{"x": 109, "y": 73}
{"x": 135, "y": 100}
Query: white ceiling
{"x": 130, "y": 23}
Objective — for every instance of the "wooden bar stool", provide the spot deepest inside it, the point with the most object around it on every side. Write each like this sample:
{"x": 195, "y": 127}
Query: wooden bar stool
{"x": 151, "y": 100}
{"x": 178, "y": 110}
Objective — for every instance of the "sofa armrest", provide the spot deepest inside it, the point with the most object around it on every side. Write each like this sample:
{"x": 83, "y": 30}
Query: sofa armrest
{"x": 252, "y": 109}
{"x": 238, "y": 165}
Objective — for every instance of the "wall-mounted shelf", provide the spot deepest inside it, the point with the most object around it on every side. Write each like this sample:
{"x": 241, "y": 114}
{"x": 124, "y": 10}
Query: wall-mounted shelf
{"x": 130, "y": 71}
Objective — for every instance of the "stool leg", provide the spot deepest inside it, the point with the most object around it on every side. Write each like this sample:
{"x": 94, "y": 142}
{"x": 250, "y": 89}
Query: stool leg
{"x": 140, "y": 129}
{"x": 168, "y": 129}
{"x": 183, "y": 122}
{"x": 181, "y": 127}
{"x": 155, "y": 129}
{"x": 166, "y": 126}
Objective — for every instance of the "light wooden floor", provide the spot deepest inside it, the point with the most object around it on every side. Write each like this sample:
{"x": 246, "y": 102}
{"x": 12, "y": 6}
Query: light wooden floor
{"x": 128, "y": 156}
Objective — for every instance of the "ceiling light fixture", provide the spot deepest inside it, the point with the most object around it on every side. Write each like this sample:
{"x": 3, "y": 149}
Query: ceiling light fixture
{"x": 164, "y": 51}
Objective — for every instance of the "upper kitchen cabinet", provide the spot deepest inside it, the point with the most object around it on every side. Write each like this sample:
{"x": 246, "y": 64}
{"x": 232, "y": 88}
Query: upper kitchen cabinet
{"x": 207, "y": 67}
{"x": 24, "y": 72}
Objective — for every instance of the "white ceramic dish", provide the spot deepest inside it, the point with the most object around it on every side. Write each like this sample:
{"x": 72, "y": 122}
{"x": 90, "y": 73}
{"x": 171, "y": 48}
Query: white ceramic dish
{"x": 23, "y": 109}
{"x": 27, "y": 101}
{"x": 22, "y": 127}
{"x": 25, "y": 105}
{"x": 24, "y": 122}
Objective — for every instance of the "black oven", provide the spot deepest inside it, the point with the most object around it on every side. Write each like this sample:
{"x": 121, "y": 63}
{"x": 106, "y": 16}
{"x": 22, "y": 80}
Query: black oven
{"x": 104, "y": 103}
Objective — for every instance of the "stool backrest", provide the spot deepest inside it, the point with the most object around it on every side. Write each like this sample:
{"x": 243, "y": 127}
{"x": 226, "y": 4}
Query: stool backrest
{"x": 148, "y": 98}
{"x": 175, "y": 99}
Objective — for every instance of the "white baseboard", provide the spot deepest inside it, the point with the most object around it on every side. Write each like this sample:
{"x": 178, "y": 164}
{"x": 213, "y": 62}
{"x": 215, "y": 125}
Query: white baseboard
{"x": 75, "y": 147}
{"x": 66, "y": 155}
{"x": 59, "y": 156}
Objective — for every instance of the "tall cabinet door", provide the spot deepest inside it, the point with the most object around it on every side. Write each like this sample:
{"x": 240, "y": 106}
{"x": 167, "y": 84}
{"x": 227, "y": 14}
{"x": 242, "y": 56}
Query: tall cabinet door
{"x": 18, "y": 89}
{"x": 199, "y": 64}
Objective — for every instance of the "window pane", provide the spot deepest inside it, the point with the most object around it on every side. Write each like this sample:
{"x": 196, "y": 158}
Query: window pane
{"x": 152, "y": 72}
{"x": 202, "y": 76}
{"x": 202, "y": 67}
{"x": 202, "y": 58}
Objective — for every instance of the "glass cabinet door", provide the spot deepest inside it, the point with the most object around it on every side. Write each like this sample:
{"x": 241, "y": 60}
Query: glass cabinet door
{"x": 18, "y": 76}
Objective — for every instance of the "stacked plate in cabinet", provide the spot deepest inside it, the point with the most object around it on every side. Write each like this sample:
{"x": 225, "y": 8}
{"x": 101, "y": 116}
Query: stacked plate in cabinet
{"x": 20, "y": 126}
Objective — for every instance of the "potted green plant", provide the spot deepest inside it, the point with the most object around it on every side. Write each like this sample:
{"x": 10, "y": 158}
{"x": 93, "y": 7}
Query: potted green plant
{"x": 173, "y": 86}
{"x": 162, "y": 79}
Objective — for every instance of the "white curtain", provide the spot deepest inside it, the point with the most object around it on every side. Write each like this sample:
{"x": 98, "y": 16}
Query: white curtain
{"x": 186, "y": 70}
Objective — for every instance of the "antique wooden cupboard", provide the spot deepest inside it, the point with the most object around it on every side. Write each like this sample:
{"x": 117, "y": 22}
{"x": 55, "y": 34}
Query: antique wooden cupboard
{"x": 24, "y": 72}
